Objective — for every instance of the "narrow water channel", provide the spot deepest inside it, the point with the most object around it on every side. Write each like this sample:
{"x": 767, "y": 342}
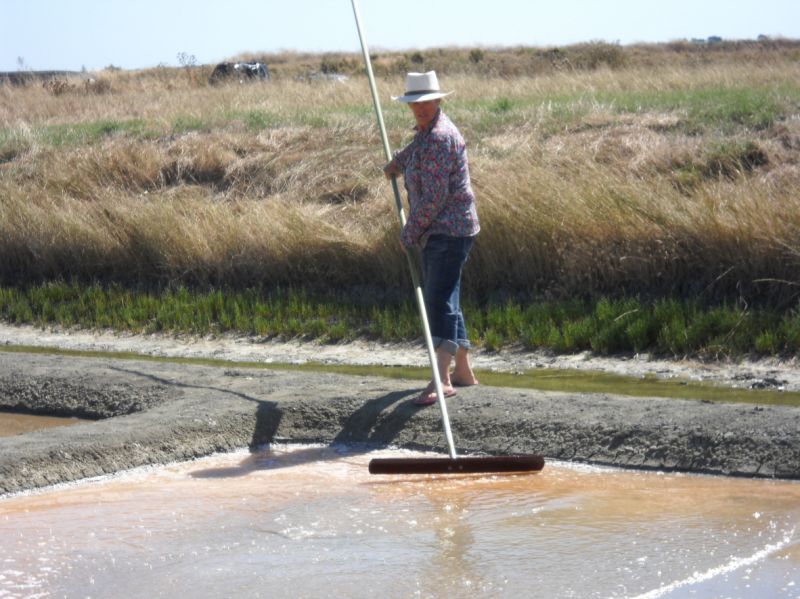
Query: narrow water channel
{"x": 311, "y": 522}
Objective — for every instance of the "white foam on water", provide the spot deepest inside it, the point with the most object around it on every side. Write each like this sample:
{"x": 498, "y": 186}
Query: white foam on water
{"x": 733, "y": 565}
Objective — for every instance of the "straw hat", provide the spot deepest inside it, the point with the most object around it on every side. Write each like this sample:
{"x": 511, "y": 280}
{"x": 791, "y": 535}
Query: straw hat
{"x": 421, "y": 87}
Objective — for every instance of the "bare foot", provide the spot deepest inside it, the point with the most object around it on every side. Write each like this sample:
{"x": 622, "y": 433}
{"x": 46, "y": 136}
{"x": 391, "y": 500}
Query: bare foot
{"x": 429, "y": 396}
{"x": 462, "y": 374}
{"x": 466, "y": 381}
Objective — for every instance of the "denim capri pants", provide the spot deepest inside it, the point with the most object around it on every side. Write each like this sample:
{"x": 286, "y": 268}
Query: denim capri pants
{"x": 443, "y": 260}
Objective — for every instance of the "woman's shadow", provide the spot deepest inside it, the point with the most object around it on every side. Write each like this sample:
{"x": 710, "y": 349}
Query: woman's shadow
{"x": 376, "y": 423}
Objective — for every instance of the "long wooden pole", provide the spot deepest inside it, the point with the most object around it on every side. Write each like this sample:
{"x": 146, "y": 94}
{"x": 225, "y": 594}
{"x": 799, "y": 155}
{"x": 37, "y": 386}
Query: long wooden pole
{"x": 415, "y": 278}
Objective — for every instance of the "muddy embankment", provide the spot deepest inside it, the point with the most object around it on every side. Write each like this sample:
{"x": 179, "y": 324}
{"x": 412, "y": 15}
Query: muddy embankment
{"x": 156, "y": 412}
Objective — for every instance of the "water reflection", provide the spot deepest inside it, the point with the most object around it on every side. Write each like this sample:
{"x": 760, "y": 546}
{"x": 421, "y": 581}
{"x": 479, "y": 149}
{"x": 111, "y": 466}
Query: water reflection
{"x": 311, "y": 522}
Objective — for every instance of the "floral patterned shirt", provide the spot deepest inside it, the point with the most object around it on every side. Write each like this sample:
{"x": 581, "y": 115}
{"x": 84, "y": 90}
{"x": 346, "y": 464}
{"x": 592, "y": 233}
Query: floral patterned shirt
{"x": 436, "y": 176}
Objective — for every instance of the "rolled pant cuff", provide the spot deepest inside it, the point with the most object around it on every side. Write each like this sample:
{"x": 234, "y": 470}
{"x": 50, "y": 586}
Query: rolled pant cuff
{"x": 446, "y": 344}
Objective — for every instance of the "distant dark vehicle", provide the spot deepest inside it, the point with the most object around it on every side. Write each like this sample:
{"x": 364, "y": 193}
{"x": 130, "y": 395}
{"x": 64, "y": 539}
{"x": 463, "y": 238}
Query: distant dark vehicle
{"x": 239, "y": 71}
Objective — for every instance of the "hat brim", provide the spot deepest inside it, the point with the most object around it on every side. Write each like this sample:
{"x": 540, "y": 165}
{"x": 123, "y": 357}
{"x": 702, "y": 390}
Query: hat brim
{"x": 410, "y": 98}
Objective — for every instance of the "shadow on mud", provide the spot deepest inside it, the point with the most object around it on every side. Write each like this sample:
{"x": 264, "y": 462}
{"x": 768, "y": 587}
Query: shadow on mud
{"x": 375, "y": 424}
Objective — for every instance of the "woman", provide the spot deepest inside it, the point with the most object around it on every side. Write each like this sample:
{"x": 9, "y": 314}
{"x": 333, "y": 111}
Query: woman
{"x": 442, "y": 221}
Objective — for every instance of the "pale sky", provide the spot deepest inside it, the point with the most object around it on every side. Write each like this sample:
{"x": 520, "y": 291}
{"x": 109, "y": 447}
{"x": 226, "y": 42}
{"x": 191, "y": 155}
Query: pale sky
{"x": 72, "y": 34}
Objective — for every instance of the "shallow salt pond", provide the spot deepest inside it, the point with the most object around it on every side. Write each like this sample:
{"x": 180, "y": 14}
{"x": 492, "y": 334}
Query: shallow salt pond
{"x": 13, "y": 423}
{"x": 312, "y": 522}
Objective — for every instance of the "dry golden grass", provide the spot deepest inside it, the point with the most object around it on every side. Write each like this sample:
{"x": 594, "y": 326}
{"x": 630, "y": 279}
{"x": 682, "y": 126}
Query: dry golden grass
{"x": 655, "y": 179}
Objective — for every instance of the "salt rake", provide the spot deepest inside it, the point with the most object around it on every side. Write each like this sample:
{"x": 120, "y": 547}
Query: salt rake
{"x": 452, "y": 464}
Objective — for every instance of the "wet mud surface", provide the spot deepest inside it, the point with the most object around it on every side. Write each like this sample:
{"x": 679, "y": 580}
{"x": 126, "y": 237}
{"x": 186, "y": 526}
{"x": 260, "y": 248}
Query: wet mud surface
{"x": 158, "y": 412}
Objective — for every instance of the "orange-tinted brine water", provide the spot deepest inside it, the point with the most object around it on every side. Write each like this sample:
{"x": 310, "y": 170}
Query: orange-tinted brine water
{"x": 12, "y": 423}
{"x": 311, "y": 522}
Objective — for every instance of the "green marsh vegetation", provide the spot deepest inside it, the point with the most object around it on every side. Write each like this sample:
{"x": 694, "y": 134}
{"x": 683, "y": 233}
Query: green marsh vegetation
{"x": 632, "y": 199}
{"x": 669, "y": 326}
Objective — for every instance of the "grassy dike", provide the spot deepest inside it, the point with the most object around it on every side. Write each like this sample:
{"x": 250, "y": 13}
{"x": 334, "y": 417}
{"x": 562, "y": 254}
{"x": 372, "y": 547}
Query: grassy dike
{"x": 637, "y": 198}
{"x": 665, "y": 327}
